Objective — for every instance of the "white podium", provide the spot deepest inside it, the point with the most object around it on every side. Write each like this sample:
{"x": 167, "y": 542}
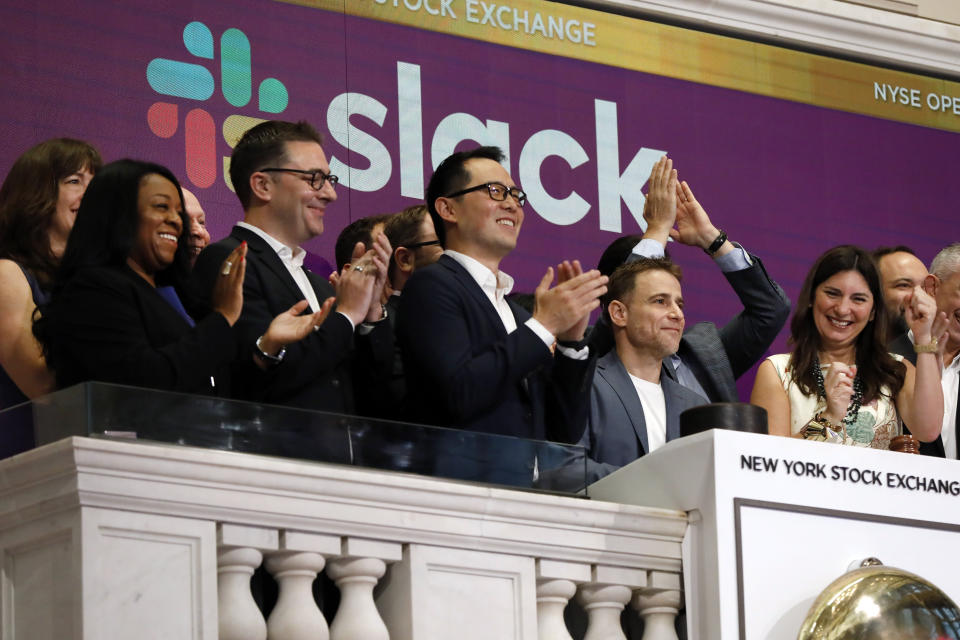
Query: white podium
{"x": 773, "y": 521}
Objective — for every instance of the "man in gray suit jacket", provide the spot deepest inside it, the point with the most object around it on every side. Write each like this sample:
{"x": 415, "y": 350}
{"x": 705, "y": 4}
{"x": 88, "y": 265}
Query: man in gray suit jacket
{"x": 710, "y": 358}
{"x": 634, "y": 406}
{"x": 705, "y": 364}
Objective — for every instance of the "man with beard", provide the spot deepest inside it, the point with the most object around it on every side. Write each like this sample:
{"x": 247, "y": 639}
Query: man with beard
{"x": 943, "y": 283}
{"x": 900, "y": 271}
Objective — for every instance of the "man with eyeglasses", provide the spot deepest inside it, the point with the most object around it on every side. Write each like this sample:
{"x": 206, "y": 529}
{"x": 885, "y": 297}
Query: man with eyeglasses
{"x": 415, "y": 245}
{"x": 281, "y": 176}
{"x": 474, "y": 360}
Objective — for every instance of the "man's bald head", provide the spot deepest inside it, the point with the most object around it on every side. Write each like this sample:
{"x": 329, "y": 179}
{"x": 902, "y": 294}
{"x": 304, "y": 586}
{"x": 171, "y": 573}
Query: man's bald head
{"x": 197, "y": 235}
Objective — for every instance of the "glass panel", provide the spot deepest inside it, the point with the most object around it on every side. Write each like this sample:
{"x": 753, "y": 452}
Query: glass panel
{"x": 117, "y": 411}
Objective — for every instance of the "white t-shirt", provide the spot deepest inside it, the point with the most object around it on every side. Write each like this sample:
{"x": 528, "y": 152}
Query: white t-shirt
{"x": 654, "y": 411}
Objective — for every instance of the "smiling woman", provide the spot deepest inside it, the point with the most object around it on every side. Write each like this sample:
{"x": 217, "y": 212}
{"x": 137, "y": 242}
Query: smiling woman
{"x": 840, "y": 383}
{"x": 120, "y": 310}
{"x": 38, "y": 203}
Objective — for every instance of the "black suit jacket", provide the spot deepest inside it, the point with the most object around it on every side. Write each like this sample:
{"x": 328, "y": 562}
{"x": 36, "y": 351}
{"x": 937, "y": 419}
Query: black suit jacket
{"x": 904, "y": 347}
{"x": 317, "y": 372}
{"x": 109, "y": 324}
{"x": 464, "y": 370}
{"x": 718, "y": 356}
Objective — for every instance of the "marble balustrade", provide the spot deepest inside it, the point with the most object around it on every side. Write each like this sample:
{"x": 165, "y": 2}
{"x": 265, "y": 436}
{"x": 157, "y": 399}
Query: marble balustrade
{"x": 111, "y": 539}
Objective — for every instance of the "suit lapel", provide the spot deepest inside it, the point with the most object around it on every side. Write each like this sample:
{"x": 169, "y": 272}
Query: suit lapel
{"x": 667, "y": 367}
{"x": 612, "y": 370}
{"x": 475, "y": 292}
{"x": 677, "y": 399}
{"x": 269, "y": 258}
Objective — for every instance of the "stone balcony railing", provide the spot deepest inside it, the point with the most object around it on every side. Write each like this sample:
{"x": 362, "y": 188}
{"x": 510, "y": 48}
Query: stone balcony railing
{"x": 106, "y": 538}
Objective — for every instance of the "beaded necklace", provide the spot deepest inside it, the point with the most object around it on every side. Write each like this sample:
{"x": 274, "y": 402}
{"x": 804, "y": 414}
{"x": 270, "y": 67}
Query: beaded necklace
{"x": 854, "y": 408}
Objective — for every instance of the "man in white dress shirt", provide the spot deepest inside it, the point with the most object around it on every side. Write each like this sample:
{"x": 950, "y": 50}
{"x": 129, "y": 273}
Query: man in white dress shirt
{"x": 473, "y": 359}
{"x": 283, "y": 182}
{"x": 943, "y": 283}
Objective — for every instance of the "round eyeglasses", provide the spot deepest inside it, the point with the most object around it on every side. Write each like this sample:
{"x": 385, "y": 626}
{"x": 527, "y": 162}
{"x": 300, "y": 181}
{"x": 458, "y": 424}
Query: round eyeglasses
{"x": 497, "y": 190}
{"x": 317, "y": 177}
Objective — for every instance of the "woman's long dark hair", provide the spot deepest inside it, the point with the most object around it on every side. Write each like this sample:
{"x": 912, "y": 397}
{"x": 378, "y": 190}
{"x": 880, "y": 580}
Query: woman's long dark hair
{"x": 875, "y": 366}
{"x": 28, "y": 201}
{"x": 108, "y": 221}
{"x": 104, "y": 235}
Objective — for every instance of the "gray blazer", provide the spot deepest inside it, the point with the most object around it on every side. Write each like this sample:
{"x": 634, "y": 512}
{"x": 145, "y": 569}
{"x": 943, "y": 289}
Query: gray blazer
{"x": 717, "y": 356}
{"x": 616, "y": 432}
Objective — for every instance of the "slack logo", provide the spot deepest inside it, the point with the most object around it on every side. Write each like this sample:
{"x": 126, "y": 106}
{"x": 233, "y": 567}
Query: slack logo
{"x": 195, "y": 82}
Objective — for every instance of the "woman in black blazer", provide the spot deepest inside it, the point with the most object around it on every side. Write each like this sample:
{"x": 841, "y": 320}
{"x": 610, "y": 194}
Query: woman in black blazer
{"x": 120, "y": 311}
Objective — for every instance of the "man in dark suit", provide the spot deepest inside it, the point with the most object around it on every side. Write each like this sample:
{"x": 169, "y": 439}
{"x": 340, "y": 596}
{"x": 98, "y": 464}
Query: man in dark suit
{"x": 473, "y": 360}
{"x": 634, "y": 407}
{"x": 415, "y": 245}
{"x": 709, "y": 359}
{"x": 283, "y": 181}
{"x": 943, "y": 283}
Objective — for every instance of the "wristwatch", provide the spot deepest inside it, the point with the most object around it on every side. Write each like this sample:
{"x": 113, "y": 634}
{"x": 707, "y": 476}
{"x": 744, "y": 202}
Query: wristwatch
{"x": 266, "y": 357}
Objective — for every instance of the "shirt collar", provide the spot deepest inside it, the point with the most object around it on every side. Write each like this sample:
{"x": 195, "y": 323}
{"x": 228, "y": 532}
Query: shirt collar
{"x": 289, "y": 256}
{"x": 499, "y": 285}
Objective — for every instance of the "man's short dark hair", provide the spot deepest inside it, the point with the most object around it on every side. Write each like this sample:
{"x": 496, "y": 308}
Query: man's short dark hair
{"x": 403, "y": 229}
{"x": 265, "y": 145}
{"x": 616, "y": 253}
{"x": 452, "y": 176}
{"x": 880, "y": 252}
{"x": 357, "y": 231}
{"x": 624, "y": 278}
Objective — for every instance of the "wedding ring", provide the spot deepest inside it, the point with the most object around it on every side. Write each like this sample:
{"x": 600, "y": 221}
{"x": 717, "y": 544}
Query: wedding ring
{"x": 359, "y": 267}
{"x": 226, "y": 268}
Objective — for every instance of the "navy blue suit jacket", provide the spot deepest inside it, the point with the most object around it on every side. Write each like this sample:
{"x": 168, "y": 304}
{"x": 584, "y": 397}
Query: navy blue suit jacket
{"x": 464, "y": 370}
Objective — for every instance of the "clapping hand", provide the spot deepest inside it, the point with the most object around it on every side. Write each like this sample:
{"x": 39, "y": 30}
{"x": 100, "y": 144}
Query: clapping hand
{"x": 838, "y": 386}
{"x": 227, "y": 296}
{"x": 290, "y": 326}
{"x": 565, "y": 309}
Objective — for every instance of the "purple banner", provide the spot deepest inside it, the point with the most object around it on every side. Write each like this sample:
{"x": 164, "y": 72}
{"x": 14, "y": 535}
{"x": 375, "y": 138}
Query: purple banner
{"x": 786, "y": 180}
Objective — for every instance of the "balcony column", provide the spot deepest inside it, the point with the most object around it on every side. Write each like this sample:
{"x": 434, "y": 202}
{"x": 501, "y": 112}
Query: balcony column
{"x": 658, "y": 605}
{"x": 356, "y": 572}
{"x": 295, "y": 566}
{"x": 238, "y": 555}
{"x": 556, "y": 584}
{"x": 604, "y": 597}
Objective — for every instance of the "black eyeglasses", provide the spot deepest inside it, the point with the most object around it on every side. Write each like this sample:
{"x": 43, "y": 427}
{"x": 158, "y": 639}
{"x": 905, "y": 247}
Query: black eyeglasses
{"x": 317, "y": 178}
{"x": 417, "y": 245}
{"x": 497, "y": 191}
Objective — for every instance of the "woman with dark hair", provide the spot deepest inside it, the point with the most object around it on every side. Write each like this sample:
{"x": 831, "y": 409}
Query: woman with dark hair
{"x": 119, "y": 310}
{"x": 840, "y": 383}
{"x": 38, "y": 203}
